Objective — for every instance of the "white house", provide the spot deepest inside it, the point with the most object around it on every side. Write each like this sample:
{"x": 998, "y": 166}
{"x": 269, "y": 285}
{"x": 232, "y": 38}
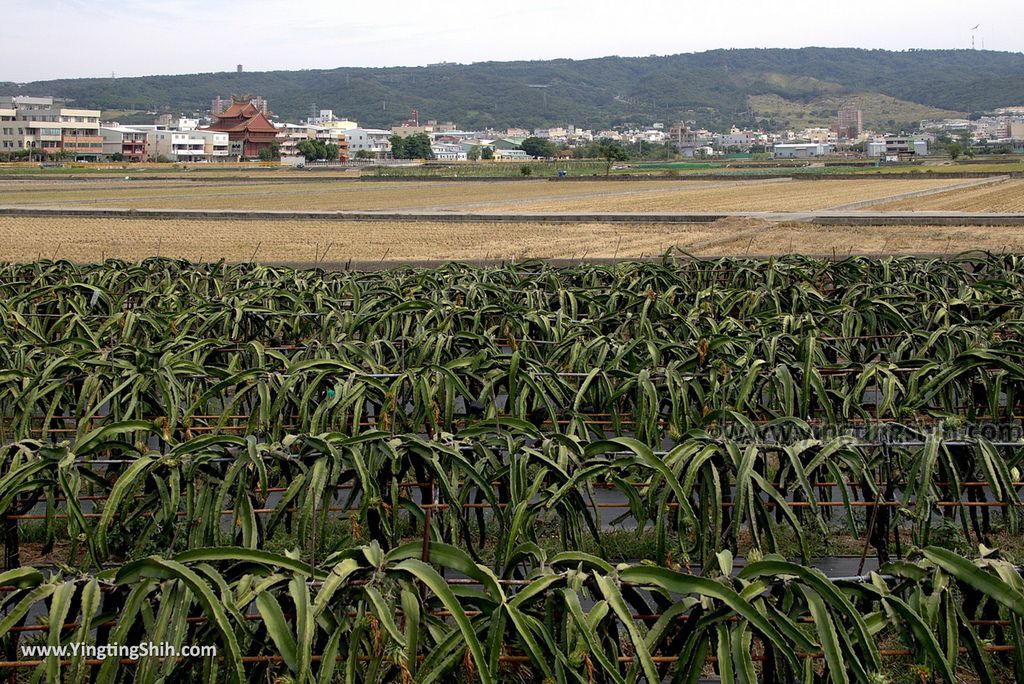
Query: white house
{"x": 511, "y": 155}
{"x": 448, "y": 152}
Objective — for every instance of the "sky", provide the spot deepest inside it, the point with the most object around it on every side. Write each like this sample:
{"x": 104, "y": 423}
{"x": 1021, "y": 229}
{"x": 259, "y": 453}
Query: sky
{"x": 85, "y": 38}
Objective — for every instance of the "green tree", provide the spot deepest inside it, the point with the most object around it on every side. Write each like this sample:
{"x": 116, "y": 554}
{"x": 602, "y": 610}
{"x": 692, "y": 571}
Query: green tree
{"x": 271, "y": 152}
{"x": 312, "y": 149}
{"x": 538, "y": 147}
{"x": 611, "y": 151}
{"x": 417, "y": 147}
{"x": 317, "y": 149}
{"x": 487, "y": 153}
{"x": 474, "y": 153}
{"x": 364, "y": 154}
{"x": 954, "y": 149}
{"x": 397, "y": 146}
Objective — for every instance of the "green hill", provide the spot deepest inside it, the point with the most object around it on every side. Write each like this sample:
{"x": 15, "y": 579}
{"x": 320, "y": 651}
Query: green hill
{"x": 715, "y": 88}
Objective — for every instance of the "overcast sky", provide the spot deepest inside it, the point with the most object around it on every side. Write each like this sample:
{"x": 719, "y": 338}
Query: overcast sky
{"x": 44, "y": 39}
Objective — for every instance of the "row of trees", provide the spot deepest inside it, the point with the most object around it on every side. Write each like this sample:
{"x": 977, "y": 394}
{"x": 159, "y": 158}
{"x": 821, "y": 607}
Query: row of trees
{"x": 36, "y": 154}
{"x": 411, "y": 147}
{"x": 418, "y": 146}
{"x": 315, "y": 150}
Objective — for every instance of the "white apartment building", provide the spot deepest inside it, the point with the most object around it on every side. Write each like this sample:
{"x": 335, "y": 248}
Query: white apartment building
{"x": 323, "y": 117}
{"x": 188, "y": 146}
{"x": 290, "y": 135}
{"x": 44, "y": 124}
{"x": 127, "y": 141}
{"x": 896, "y": 146}
{"x": 330, "y": 134}
{"x": 374, "y": 140}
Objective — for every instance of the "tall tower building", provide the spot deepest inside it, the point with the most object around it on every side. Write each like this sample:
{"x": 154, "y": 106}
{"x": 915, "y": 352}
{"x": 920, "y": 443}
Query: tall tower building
{"x": 851, "y": 123}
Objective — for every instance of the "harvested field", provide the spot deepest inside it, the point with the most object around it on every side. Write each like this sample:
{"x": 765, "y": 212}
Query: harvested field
{"x": 540, "y": 195}
{"x": 793, "y": 195}
{"x": 1007, "y": 196}
{"x": 83, "y": 240}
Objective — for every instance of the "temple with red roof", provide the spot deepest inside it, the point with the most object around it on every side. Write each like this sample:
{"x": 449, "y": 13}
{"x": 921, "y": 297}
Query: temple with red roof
{"x": 247, "y": 127}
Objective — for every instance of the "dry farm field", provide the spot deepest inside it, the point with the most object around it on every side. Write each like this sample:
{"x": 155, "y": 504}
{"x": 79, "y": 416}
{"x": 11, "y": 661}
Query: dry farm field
{"x": 1007, "y": 196}
{"x": 297, "y": 241}
{"x": 493, "y": 196}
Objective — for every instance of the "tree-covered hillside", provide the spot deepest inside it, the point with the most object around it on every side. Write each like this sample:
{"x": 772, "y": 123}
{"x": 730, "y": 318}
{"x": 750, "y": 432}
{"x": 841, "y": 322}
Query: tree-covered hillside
{"x": 713, "y": 87}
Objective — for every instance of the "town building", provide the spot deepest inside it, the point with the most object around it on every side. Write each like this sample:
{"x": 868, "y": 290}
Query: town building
{"x": 407, "y": 129}
{"x": 173, "y": 123}
{"x": 126, "y": 141}
{"x": 895, "y": 148}
{"x": 289, "y": 136}
{"x": 373, "y": 140}
{"x": 448, "y": 152}
{"x": 511, "y": 155}
{"x": 202, "y": 145}
{"x": 850, "y": 123}
{"x": 507, "y": 143}
{"x": 319, "y": 119}
{"x": 823, "y": 136}
{"x": 801, "y": 150}
{"x": 46, "y": 125}
{"x": 340, "y": 124}
{"x": 219, "y": 105}
{"x": 247, "y": 126}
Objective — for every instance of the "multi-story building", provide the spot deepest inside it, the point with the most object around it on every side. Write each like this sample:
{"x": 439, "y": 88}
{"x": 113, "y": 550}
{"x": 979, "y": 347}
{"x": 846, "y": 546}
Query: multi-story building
{"x": 219, "y": 105}
{"x": 897, "y": 147}
{"x": 179, "y": 123}
{"x": 7, "y": 117}
{"x": 822, "y": 136}
{"x": 373, "y": 140}
{"x": 851, "y": 123}
{"x": 46, "y": 125}
{"x": 333, "y": 135}
{"x": 188, "y": 146}
{"x": 556, "y": 133}
{"x": 290, "y": 135}
{"x": 324, "y": 116}
{"x": 127, "y": 141}
{"x": 406, "y": 129}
